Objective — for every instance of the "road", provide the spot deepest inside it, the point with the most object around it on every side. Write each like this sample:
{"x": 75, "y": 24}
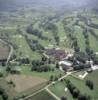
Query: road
{"x": 11, "y": 51}
{"x": 47, "y": 88}
{"x": 10, "y": 54}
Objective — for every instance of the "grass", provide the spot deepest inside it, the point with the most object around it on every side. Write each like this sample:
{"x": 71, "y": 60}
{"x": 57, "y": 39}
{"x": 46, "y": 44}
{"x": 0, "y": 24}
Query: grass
{"x": 42, "y": 96}
{"x": 93, "y": 43}
{"x": 4, "y": 50}
{"x": 23, "y": 49}
{"x": 27, "y": 71}
{"x": 42, "y": 42}
{"x": 8, "y": 88}
{"x": 61, "y": 31}
{"x": 81, "y": 84}
{"x": 80, "y": 37}
{"x": 93, "y": 76}
{"x": 58, "y": 89}
{"x": 76, "y": 74}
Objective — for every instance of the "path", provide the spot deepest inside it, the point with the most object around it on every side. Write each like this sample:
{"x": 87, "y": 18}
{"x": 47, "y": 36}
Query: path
{"x": 57, "y": 98}
{"x": 10, "y": 54}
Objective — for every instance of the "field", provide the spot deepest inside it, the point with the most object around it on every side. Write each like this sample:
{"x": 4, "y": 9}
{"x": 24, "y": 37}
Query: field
{"x": 23, "y": 49}
{"x": 8, "y": 88}
{"x": 42, "y": 96}
{"x": 25, "y": 70}
{"x": 80, "y": 37}
{"x": 29, "y": 82}
{"x": 58, "y": 90}
{"x": 4, "y": 50}
{"x": 80, "y": 84}
{"x": 23, "y": 82}
{"x": 93, "y": 77}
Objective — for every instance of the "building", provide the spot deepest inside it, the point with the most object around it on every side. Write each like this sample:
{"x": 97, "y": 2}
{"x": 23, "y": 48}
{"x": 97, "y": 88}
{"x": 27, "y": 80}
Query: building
{"x": 66, "y": 65}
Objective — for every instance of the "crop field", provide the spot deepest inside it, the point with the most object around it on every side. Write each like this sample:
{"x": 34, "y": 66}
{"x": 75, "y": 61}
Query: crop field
{"x": 23, "y": 82}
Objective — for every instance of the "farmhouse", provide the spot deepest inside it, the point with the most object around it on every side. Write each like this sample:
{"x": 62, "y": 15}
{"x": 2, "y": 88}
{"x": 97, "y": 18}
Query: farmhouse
{"x": 56, "y": 53}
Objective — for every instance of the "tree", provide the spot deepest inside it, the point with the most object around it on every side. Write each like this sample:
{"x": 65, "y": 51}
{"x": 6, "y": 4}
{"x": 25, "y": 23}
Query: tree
{"x": 5, "y": 96}
{"x": 44, "y": 58}
{"x": 84, "y": 97}
{"x": 1, "y": 74}
{"x": 76, "y": 93}
{"x": 57, "y": 65}
{"x": 63, "y": 98}
{"x": 90, "y": 84}
{"x": 56, "y": 78}
{"x": 51, "y": 78}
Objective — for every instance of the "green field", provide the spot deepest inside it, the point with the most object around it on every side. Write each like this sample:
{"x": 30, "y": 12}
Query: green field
{"x": 42, "y": 96}
{"x": 80, "y": 37}
{"x": 23, "y": 49}
{"x": 93, "y": 43}
{"x": 58, "y": 90}
{"x": 27, "y": 71}
{"x": 9, "y": 90}
{"x": 4, "y": 50}
{"x": 81, "y": 84}
{"x": 93, "y": 77}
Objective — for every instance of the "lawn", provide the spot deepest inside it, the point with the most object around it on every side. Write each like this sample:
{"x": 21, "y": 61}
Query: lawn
{"x": 61, "y": 31}
{"x": 93, "y": 76}
{"x": 23, "y": 49}
{"x": 93, "y": 43}
{"x": 42, "y": 96}
{"x": 80, "y": 37}
{"x": 58, "y": 89}
{"x": 81, "y": 84}
{"x": 26, "y": 70}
